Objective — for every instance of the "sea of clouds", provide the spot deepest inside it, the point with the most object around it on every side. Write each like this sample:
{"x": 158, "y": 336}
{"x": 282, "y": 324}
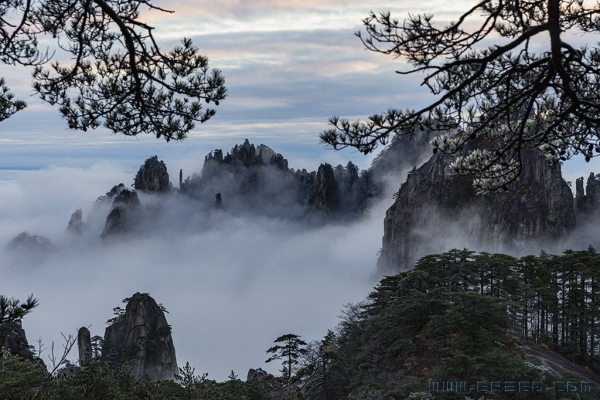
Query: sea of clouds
{"x": 232, "y": 283}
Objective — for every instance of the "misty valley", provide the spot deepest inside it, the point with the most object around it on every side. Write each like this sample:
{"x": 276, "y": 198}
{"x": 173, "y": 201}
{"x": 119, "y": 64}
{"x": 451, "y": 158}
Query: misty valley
{"x": 257, "y": 247}
{"x": 453, "y": 254}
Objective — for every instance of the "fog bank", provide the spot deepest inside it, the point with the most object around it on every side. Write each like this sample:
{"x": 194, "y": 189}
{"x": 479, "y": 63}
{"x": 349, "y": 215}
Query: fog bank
{"x": 231, "y": 286}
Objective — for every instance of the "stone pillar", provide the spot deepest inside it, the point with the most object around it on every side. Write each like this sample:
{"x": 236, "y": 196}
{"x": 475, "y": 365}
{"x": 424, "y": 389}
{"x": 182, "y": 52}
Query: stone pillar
{"x": 579, "y": 195}
{"x": 84, "y": 344}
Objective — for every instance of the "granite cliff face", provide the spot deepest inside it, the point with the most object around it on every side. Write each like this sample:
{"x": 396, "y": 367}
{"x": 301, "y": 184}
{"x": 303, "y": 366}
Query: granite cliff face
{"x": 141, "y": 337}
{"x": 14, "y": 341}
{"x": 435, "y": 206}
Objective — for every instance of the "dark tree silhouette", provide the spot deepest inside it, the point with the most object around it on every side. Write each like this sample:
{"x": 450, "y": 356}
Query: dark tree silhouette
{"x": 12, "y": 310}
{"x": 503, "y": 97}
{"x": 118, "y": 76}
{"x": 290, "y": 349}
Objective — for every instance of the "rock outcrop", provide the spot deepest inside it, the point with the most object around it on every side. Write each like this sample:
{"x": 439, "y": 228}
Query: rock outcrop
{"x": 141, "y": 337}
{"x": 325, "y": 193}
{"x": 273, "y": 383}
{"x": 124, "y": 212}
{"x": 245, "y": 155}
{"x": 588, "y": 202}
{"x": 557, "y": 364}
{"x": 32, "y": 244}
{"x": 259, "y": 179}
{"x": 116, "y": 223}
{"x": 435, "y": 206}
{"x": 262, "y": 375}
{"x": 152, "y": 177}
{"x": 111, "y": 194}
{"x": 76, "y": 222}
{"x": 248, "y": 155}
{"x": 14, "y": 341}
{"x": 127, "y": 198}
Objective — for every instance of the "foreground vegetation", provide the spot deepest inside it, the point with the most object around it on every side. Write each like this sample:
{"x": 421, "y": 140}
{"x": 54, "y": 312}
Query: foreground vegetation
{"x": 24, "y": 380}
{"x": 467, "y": 317}
{"x": 460, "y": 316}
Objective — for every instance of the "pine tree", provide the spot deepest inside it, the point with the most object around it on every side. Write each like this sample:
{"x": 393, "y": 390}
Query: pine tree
{"x": 291, "y": 348}
{"x": 117, "y": 74}
{"x": 496, "y": 93}
{"x": 13, "y": 310}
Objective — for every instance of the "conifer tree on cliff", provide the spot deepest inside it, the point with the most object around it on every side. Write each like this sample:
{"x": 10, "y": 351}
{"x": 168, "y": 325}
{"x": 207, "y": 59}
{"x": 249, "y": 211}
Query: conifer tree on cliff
{"x": 117, "y": 75}
{"x": 290, "y": 349}
{"x": 534, "y": 88}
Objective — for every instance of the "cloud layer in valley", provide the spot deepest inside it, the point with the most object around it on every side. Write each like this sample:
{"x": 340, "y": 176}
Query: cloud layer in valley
{"x": 231, "y": 284}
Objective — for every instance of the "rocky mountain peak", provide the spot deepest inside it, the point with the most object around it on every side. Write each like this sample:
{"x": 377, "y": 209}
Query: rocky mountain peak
{"x": 325, "y": 195}
{"x": 14, "y": 341}
{"x": 247, "y": 155}
{"x": 589, "y": 201}
{"x": 124, "y": 213}
{"x": 111, "y": 194}
{"x": 264, "y": 153}
{"x": 25, "y": 242}
{"x": 434, "y": 206}
{"x": 141, "y": 337}
{"x": 152, "y": 176}
{"x": 76, "y": 224}
{"x": 243, "y": 155}
{"x": 127, "y": 198}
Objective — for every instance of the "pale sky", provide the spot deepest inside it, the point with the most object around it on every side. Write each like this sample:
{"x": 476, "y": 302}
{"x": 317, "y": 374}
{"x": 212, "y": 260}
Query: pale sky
{"x": 289, "y": 66}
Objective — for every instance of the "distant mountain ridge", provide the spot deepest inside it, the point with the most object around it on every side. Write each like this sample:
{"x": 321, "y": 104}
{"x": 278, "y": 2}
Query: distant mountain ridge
{"x": 434, "y": 209}
{"x": 249, "y": 180}
{"x": 258, "y": 178}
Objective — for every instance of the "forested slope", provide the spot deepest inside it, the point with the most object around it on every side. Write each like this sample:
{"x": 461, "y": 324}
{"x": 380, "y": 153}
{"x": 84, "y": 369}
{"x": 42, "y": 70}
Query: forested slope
{"x": 473, "y": 317}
